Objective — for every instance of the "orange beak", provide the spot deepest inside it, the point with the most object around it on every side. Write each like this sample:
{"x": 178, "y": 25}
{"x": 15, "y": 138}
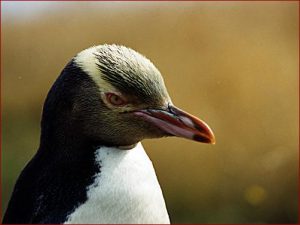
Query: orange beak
{"x": 176, "y": 122}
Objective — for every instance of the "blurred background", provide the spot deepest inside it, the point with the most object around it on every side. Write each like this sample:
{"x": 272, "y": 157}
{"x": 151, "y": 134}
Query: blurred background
{"x": 233, "y": 64}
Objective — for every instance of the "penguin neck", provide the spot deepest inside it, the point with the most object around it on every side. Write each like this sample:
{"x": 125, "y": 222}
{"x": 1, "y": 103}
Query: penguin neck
{"x": 68, "y": 167}
{"x": 63, "y": 143}
{"x": 59, "y": 135}
{"x": 60, "y": 138}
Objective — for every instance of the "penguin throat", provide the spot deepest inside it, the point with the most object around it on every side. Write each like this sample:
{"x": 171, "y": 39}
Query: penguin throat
{"x": 127, "y": 147}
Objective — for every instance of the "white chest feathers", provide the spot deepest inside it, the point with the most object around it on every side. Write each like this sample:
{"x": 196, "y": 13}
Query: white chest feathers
{"x": 125, "y": 191}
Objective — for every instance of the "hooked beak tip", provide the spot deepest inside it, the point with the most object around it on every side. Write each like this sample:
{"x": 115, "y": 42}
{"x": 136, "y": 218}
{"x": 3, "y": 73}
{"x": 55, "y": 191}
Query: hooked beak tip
{"x": 207, "y": 139}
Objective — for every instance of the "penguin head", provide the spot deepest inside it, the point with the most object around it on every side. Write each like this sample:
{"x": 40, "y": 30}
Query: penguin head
{"x": 113, "y": 95}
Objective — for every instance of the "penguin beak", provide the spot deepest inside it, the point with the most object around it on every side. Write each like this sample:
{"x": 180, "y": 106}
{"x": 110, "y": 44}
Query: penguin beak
{"x": 177, "y": 122}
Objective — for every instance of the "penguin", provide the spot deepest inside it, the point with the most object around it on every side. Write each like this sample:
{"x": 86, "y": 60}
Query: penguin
{"x": 90, "y": 166}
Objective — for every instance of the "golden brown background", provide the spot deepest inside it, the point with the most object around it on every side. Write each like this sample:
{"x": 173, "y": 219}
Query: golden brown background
{"x": 233, "y": 64}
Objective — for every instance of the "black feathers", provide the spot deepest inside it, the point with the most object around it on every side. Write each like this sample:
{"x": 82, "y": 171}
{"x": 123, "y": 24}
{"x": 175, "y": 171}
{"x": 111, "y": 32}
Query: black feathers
{"x": 55, "y": 181}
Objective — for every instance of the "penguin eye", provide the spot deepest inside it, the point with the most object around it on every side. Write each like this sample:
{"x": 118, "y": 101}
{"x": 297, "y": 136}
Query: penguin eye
{"x": 115, "y": 99}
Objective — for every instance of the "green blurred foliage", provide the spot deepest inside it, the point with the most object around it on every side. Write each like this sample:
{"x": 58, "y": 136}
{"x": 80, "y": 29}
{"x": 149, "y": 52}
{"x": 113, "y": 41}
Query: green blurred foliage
{"x": 235, "y": 65}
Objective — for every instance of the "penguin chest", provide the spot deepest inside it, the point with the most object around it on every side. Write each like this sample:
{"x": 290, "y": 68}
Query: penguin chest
{"x": 126, "y": 190}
